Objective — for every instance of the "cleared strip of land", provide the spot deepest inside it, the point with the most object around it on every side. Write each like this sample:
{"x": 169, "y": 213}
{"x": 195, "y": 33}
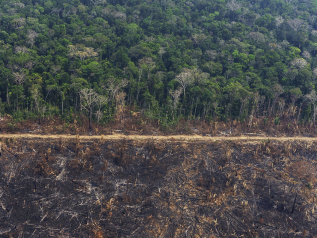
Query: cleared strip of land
{"x": 154, "y": 137}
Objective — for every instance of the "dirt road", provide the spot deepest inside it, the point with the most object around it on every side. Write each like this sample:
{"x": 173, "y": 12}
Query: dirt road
{"x": 154, "y": 137}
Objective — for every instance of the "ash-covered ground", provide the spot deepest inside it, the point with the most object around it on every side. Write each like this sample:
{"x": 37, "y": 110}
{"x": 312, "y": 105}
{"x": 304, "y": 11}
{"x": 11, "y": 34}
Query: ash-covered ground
{"x": 56, "y": 188}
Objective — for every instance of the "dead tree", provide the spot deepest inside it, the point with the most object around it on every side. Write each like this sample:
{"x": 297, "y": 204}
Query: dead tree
{"x": 185, "y": 78}
{"x": 175, "y": 96}
{"x": 299, "y": 63}
{"x": 88, "y": 98}
{"x": 19, "y": 78}
{"x": 233, "y": 5}
{"x": 277, "y": 90}
{"x": 296, "y": 24}
{"x": 31, "y": 37}
{"x": 100, "y": 101}
{"x": 295, "y": 94}
{"x": 279, "y": 21}
{"x": 312, "y": 98}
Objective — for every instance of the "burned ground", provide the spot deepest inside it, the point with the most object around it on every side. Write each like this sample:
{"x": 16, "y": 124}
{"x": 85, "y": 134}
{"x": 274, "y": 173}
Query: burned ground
{"x": 58, "y": 188}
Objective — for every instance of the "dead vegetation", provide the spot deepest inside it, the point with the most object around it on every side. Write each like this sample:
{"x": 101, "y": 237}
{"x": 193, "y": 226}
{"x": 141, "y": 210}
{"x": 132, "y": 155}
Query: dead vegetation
{"x": 72, "y": 188}
{"x": 132, "y": 123}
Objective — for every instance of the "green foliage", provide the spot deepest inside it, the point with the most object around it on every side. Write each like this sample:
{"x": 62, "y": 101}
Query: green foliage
{"x": 234, "y": 51}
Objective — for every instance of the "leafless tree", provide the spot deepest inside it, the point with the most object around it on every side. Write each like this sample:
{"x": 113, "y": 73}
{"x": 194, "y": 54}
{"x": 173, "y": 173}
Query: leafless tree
{"x": 296, "y": 24}
{"x": 256, "y": 36}
{"x": 314, "y": 32}
{"x": 19, "y": 4}
{"x": 88, "y": 98}
{"x": 82, "y": 55}
{"x": 288, "y": 1}
{"x": 295, "y": 94}
{"x": 212, "y": 54}
{"x": 14, "y": 67}
{"x": 29, "y": 65}
{"x": 281, "y": 106}
{"x": 98, "y": 2}
{"x": 199, "y": 38}
{"x": 81, "y": 51}
{"x": 19, "y": 77}
{"x": 312, "y": 98}
{"x": 36, "y": 96}
{"x": 66, "y": 12}
{"x": 279, "y": 21}
{"x": 306, "y": 55}
{"x": 114, "y": 86}
{"x": 299, "y": 63}
{"x": 31, "y": 37}
{"x": 90, "y": 52}
{"x": 276, "y": 91}
{"x": 120, "y": 99}
{"x": 100, "y": 102}
{"x": 175, "y": 96}
{"x": 161, "y": 51}
{"x": 21, "y": 49}
{"x": 255, "y": 108}
{"x": 18, "y": 23}
{"x": 233, "y": 5}
{"x": 119, "y": 15}
{"x": 185, "y": 78}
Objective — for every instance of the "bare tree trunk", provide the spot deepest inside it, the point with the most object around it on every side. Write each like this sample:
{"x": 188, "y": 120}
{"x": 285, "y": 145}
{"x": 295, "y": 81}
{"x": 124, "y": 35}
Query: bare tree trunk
{"x": 90, "y": 117}
{"x": 8, "y": 101}
{"x": 299, "y": 111}
{"x": 314, "y": 114}
{"x": 196, "y": 107}
{"x": 138, "y": 89}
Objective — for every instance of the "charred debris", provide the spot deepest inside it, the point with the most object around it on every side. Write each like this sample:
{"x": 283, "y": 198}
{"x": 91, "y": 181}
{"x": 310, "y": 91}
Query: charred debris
{"x": 58, "y": 188}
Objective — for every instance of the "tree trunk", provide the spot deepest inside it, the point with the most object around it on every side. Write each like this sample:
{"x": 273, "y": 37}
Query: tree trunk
{"x": 8, "y": 101}
{"x": 196, "y": 107}
{"x": 299, "y": 111}
{"x": 90, "y": 117}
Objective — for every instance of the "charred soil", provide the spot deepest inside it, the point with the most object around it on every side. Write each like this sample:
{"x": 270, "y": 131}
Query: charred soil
{"x": 157, "y": 188}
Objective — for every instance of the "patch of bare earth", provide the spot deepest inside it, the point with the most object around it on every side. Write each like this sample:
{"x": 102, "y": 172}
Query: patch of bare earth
{"x": 138, "y": 186}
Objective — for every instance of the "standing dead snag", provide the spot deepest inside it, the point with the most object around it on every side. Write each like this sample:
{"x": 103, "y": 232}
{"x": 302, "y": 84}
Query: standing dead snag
{"x": 312, "y": 98}
{"x": 31, "y": 37}
{"x": 19, "y": 78}
{"x": 100, "y": 101}
{"x": 88, "y": 99}
{"x": 185, "y": 79}
{"x": 175, "y": 96}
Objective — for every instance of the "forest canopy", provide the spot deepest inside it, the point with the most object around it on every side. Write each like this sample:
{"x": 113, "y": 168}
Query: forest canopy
{"x": 170, "y": 59}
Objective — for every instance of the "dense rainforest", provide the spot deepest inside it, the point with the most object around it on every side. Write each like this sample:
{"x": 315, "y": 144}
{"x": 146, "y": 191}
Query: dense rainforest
{"x": 168, "y": 59}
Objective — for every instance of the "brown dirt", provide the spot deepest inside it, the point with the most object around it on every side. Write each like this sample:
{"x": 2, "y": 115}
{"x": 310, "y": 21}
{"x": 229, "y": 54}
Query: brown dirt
{"x": 115, "y": 137}
{"x": 155, "y": 186}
